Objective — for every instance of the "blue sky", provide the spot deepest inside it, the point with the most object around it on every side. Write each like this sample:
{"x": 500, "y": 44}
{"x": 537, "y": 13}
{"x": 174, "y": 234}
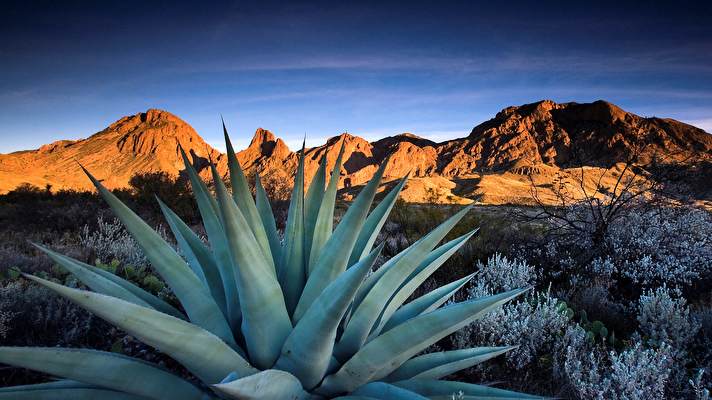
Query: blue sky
{"x": 373, "y": 69}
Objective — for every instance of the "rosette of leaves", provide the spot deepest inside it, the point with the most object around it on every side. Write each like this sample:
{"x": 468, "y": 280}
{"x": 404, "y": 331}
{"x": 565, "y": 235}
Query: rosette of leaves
{"x": 260, "y": 317}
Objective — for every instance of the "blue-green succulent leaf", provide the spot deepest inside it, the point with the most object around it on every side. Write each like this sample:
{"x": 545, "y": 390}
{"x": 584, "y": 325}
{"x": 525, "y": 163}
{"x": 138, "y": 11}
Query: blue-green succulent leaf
{"x": 292, "y": 272}
{"x": 374, "y": 223}
{"x": 427, "y": 302}
{"x": 443, "y": 363}
{"x": 385, "y": 391}
{"x": 93, "y": 280}
{"x": 200, "y": 258}
{"x": 432, "y": 262}
{"x": 382, "y": 355}
{"x": 68, "y": 393}
{"x": 218, "y": 242}
{"x": 307, "y": 351}
{"x": 432, "y": 388}
{"x": 335, "y": 253}
{"x": 312, "y": 203}
{"x": 265, "y": 321}
{"x": 200, "y": 351}
{"x": 366, "y": 314}
{"x": 265, "y": 385}
{"x": 243, "y": 197}
{"x": 268, "y": 221}
{"x": 196, "y": 300}
{"x": 108, "y": 370}
{"x": 324, "y": 223}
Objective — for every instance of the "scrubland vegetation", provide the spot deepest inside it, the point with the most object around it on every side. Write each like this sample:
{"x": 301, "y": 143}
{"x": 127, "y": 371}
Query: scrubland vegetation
{"x": 623, "y": 313}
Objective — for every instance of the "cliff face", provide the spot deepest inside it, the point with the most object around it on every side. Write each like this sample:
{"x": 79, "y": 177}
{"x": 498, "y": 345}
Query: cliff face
{"x": 540, "y": 138}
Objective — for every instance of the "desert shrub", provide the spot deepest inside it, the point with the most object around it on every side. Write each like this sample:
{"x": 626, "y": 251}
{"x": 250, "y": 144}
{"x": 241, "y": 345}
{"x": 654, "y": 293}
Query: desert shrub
{"x": 645, "y": 246}
{"x": 670, "y": 246}
{"x": 591, "y": 372}
{"x": 533, "y": 324}
{"x": 110, "y": 241}
{"x": 36, "y": 316}
{"x": 699, "y": 392}
{"x": 502, "y": 274}
{"x": 174, "y": 191}
{"x": 664, "y": 317}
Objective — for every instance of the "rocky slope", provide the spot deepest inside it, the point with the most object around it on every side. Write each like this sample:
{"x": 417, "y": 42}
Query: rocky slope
{"x": 543, "y": 139}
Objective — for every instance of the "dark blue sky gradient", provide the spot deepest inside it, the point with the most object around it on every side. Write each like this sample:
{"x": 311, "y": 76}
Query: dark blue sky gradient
{"x": 374, "y": 69}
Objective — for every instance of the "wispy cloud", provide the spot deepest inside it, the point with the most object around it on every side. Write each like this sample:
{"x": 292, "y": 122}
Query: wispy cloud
{"x": 683, "y": 58}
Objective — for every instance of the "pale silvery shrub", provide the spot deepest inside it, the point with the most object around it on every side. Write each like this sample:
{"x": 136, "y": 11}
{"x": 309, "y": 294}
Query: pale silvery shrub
{"x": 637, "y": 373}
{"x": 533, "y": 324}
{"x": 668, "y": 245}
{"x": 698, "y": 389}
{"x": 111, "y": 241}
{"x": 665, "y": 245}
{"x": 502, "y": 274}
{"x": 664, "y": 317}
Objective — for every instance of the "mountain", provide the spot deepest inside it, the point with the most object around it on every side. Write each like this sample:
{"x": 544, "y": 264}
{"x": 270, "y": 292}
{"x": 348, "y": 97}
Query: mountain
{"x": 569, "y": 135}
{"x": 144, "y": 142}
{"x": 494, "y": 160}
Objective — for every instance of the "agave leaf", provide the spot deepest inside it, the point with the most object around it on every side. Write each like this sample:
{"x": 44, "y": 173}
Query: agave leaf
{"x": 307, "y": 351}
{"x": 155, "y": 302}
{"x": 374, "y": 277}
{"x": 432, "y": 388}
{"x": 58, "y": 384}
{"x": 200, "y": 258}
{"x": 93, "y": 280}
{"x": 365, "y": 315}
{"x": 79, "y": 393}
{"x": 218, "y": 242}
{"x": 426, "y": 303}
{"x": 335, "y": 253}
{"x": 265, "y": 321}
{"x": 243, "y": 197}
{"x": 374, "y": 223}
{"x": 292, "y": 272}
{"x": 324, "y": 223}
{"x": 443, "y": 363}
{"x": 108, "y": 370}
{"x": 265, "y": 385}
{"x": 199, "y": 305}
{"x": 200, "y": 351}
{"x": 385, "y": 391}
{"x": 267, "y": 217}
{"x": 382, "y": 355}
{"x": 312, "y": 203}
{"x": 435, "y": 260}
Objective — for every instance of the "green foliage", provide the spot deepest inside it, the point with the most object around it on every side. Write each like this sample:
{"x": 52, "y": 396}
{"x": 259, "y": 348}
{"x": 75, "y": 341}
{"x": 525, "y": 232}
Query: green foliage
{"x": 264, "y": 319}
{"x": 152, "y": 283}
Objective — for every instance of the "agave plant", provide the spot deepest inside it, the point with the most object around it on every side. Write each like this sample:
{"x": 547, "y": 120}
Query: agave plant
{"x": 303, "y": 317}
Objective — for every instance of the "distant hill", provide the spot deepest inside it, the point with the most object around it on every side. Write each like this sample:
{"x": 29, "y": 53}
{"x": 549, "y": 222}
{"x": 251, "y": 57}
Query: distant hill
{"x": 492, "y": 162}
